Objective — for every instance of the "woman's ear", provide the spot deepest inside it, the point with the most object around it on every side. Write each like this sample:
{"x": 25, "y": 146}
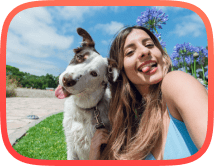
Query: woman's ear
{"x": 112, "y": 72}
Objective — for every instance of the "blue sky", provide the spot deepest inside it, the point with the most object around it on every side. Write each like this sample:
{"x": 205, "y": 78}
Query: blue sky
{"x": 41, "y": 40}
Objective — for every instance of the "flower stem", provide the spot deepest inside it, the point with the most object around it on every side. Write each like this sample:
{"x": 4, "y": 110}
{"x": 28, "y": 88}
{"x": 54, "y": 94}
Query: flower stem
{"x": 185, "y": 64}
{"x": 156, "y": 31}
{"x": 192, "y": 68}
{"x": 195, "y": 68}
{"x": 203, "y": 72}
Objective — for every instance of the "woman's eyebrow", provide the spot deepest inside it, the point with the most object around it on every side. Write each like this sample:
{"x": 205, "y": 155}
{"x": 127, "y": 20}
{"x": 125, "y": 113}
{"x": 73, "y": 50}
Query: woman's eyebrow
{"x": 132, "y": 44}
{"x": 129, "y": 45}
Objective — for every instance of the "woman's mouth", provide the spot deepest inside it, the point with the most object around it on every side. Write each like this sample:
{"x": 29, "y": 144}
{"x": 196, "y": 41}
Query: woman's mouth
{"x": 151, "y": 71}
{"x": 148, "y": 68}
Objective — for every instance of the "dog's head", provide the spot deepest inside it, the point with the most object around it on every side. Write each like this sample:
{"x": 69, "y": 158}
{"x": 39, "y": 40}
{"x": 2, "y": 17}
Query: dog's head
{"x": 88, "y": 71}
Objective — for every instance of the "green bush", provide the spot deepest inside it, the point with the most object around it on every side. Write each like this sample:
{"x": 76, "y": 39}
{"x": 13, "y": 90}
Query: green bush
{"x": 11, "y": 85}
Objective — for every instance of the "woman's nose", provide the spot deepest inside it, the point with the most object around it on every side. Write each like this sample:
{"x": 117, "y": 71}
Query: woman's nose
{"x": 143, "y": 52}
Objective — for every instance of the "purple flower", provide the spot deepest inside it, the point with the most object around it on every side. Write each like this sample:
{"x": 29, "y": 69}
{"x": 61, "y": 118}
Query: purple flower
{"x": 175, "y": 63}
{"x": 203, "y": 54}
{"x": 158, "y": 35}
{"x": 174, "y": 55}
{"x": 199, "y": 70}
{"x": 152, "y": 18}
{"x": 162, "y": 43}
{"x": 186, "y": 51}
{"x": 183, "y": 69}
{"x": 159, "y": 26}
{"x": 189, "y": 60}
{"x": 206, "y": 74}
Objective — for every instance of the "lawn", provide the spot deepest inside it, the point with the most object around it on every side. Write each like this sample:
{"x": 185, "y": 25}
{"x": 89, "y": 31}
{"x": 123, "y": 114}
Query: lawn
{"x": 45, "y": 141}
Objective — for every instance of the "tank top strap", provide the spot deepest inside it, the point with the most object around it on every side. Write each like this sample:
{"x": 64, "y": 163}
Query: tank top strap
{"x": 169, "y": 112}
{"x": 172, "y": 118}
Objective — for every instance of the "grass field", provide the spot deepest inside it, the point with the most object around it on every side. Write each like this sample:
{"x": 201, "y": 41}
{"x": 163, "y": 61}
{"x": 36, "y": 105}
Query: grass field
{"x": 45, "y": 141}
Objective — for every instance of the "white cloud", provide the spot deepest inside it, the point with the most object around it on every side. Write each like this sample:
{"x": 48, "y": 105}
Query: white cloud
{"x": 165, "y": 8}
{"x": 33, "y": 26}
{"x": 36, "y": 66}
{"x": 77, "y": 13}
{"x": 117, "y": 9}
{"x": 189, "y": 25}
{"x": 110, "y": 28}
{"x": 32, "y": 38}
{"x": 105, "y": 42}
{"x": 36, "y": 34}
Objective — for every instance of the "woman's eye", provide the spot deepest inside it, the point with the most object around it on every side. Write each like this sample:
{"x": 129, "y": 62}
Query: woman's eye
{"x": 150, "y": 45}
{"x": 129, "y": 53}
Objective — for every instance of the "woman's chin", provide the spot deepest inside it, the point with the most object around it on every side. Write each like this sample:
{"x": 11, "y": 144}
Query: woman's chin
{"x": 157, "y": 81}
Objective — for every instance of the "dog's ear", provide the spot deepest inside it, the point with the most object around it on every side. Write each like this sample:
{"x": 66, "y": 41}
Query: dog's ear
{"x": 113, "y": 72}
{"x": 87, "y": 39}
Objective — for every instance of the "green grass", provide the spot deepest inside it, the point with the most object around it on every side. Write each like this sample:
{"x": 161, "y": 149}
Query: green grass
{"x": 45, "y": 141}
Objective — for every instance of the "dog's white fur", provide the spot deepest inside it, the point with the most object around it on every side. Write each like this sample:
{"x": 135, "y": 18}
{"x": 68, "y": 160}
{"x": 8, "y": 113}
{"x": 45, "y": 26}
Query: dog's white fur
{"x": 89, "y": 91}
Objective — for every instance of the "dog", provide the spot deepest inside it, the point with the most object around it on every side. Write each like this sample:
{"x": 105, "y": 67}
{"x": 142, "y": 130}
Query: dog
{"x": 84, "y": 85}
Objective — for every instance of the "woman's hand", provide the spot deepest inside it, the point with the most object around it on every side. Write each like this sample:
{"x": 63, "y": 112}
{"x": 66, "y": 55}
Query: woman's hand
{"x": 100, "y": 137}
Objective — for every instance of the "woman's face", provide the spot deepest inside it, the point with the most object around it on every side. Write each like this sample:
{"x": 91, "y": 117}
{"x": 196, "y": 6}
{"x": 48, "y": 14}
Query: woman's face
{"x": 143, "y": 61}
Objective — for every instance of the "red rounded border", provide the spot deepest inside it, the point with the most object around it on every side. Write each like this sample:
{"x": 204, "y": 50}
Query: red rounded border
{"x": 105, "y": 3}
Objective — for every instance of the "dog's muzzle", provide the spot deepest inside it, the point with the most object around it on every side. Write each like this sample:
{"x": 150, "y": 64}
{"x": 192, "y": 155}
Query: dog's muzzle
{"x": 68, "y": 80}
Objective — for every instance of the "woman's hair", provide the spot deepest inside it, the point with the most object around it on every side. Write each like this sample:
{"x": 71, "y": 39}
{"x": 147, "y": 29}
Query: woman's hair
{"x": 136, "y": 121}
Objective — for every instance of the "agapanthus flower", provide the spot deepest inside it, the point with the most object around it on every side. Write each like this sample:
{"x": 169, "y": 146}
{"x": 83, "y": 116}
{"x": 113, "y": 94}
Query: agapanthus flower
{"x": 189, "y": 60}
{"x": 186, "y": 51}
{"x": 152, "y": 18}
{"x": 175, "y": 63}
{"x": 203, "y": 54}
{"x": 162, "y": 43}
{"x": 206, "y": 74}
{"x": 198, "y": 71}
{"x": 183, "y": 69}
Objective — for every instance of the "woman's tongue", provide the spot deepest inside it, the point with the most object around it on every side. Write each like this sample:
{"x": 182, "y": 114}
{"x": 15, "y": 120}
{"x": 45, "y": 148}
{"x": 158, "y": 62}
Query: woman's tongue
{"x": 146, "y": 69}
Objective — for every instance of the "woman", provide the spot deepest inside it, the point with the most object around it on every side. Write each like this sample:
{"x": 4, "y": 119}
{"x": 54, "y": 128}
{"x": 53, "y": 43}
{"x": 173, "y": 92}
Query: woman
{"x": 155, "y": 114}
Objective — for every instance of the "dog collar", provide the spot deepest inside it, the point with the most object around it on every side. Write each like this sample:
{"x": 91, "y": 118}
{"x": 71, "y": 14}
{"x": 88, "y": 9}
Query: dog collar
{"x": 99, "y": 124}
{"x": 97, "y": 117}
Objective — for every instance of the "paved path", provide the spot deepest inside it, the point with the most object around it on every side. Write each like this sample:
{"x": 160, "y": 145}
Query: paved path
{"x": 18, "y": 108}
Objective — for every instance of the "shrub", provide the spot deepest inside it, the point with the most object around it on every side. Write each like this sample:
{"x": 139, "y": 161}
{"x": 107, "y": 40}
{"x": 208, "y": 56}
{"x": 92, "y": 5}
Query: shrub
{"x": 11, "y": 85}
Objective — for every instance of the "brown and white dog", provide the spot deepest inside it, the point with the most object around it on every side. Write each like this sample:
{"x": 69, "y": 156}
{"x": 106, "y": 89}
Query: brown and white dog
{"x": 84, "y": 84}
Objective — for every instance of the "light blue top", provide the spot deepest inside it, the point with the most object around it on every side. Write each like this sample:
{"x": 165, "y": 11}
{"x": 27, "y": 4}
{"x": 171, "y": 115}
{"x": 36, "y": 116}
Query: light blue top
{"x": 178, "y": 143}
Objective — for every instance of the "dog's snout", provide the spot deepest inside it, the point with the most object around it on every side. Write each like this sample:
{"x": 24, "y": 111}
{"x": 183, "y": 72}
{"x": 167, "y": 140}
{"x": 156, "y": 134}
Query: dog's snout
{"x": 68, "y": 80}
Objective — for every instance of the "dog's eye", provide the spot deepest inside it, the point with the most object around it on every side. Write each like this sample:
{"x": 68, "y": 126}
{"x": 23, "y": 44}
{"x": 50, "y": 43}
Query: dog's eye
{"x": 79, "y": 58}
{"x": 93, "y": 73}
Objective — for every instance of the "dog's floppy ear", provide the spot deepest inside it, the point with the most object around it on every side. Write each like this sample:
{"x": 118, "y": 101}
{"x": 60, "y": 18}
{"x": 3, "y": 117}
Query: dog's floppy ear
{"x": 87, "y": 40}
{"x": 113, "y": 72}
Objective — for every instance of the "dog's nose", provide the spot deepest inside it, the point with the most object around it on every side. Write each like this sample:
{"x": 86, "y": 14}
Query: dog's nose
{"x": 68, "y": 80}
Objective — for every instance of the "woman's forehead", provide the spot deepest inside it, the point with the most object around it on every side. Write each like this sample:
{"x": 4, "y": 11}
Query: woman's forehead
{"x": 136, "y": 34}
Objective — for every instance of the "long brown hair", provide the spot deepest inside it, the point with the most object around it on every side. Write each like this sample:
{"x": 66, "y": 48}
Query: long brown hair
{"x": 136, "y": 121}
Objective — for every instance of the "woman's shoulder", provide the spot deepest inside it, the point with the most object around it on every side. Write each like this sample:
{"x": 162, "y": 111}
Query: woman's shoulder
{"x": 176, "y": 76}
{"x": 189, "y": 98}
{"x": 177, "y": 82}
{"x": 169, "y": 88}
{"x": 181, "y": 90}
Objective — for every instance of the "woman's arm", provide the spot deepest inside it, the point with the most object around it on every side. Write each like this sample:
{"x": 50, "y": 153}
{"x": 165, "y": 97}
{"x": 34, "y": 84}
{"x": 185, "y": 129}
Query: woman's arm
{"x": 100, "y": 137}
{"x": 188, "y": 96}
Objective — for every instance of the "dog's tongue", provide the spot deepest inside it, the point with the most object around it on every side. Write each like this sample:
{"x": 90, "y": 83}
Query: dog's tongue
{"x": 59, "y": 92}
